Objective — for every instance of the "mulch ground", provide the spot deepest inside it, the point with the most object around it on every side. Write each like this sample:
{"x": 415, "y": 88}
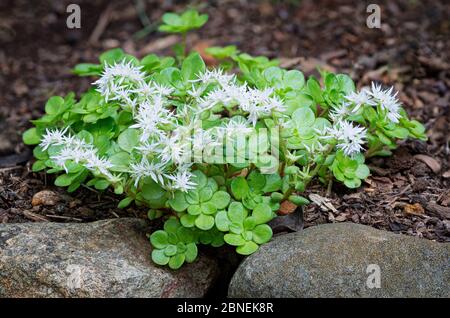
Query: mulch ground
{"x": 407, "y": 193}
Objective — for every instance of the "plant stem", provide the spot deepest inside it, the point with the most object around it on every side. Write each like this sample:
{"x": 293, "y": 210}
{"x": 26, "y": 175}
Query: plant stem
{"x": 318, "y": 166}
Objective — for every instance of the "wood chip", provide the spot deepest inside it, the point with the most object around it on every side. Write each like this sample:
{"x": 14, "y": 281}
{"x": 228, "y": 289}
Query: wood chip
{"x": 414, "y": 209}
{"x": 324, "y": 203}
{"x": 287, "y": 207}
{"x": 432, "y": 163}
{"x": 45, "y": 197}
{"x": 159, "y": 44}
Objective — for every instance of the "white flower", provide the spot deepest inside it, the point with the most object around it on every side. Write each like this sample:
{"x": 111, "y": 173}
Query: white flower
{"x": 393, "y": 110}
{"x": 196, "y": 92}
{"x": 215, "y": 76}
{"x": 338, "y": 113}
{"x": 103, "y": 165}
{"x": 163, "y": 90}
{"x": 119, "y": 78}
{"x": 359, "y": 99}
{"x": 182, "y": 181}
{"x": 259, "y": 103}
{"x": 149, "y": 147}
{"x": 149, "y": 117}
{"x": 144, "y": 168}
{"x": 387, "y": 101}
{"x": 76, "y": 150}
{"x": 175, "y": 149}
{"x": 350, "y": 138}
{"x": 237, "y": 125}
{"x": 53, "y": 137}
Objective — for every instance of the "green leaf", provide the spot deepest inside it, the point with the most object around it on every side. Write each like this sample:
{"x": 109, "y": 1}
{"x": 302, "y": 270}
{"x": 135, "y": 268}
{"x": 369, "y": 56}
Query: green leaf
{"x": 220, "y": 199}
{"x": 236, "y": 212}
{"x": 248, "y": 248}
{"x": 170, "y": 250}
{"x": 250, "y": 223}
{"x": 101, "y": 184}
{"x": 178, "y": 202}
{"x": 294, "y": 79}
{"x": 234, "y": 239}
{"x": 176, "y": 261}
{"x": 159, "y": 239}
{"x": 153, "y": 214}
{"x": 128, "y": 139}
{"x": 276, "y": 196}
{"x": 125, "y": 202}
{"x": 188, "y": 220}
{"x": 38, "y": 166}
{"x": 256, "y": 181}
{"x": 31, "y": 137}
{"x": 362, "y": 172}
{"x": 192, "y": 66}
{"x": 222, "y": 52}
{"x": 171, "y": 225}
{"x": 54, "y": 104}
{"x": 191, "y": 252}
{"x": 303, "y": 117}
{"x": 262, "y": 213}
{"x": 298, "y": 200}
{"x": 273, "y": 183}
{"x": 194, "y": 209}
{"x": 87, "y": 69}
{"x": 222, "y": 221}
{"x": 199, "y": 178}
{"x": 208, "y": 208}
{"x": 152, "y": 191}
{"x": 352, "y": 183}
{"x": 112, "y": 56}
{"x": 189, "y": 20}
{"x": 262, "y": 234}
{"x": 239, "y": 188}
{"x": 185, "y": 235}
{"x": 120, "y": 161}
{"x": 64, "y": 180}
{"x": 273, "y": 74}
{"x": 204, "y": 222}
{"x": 314, "y": 90}
{"x": 159, "y": 257}
{"x": 205, "y": 194}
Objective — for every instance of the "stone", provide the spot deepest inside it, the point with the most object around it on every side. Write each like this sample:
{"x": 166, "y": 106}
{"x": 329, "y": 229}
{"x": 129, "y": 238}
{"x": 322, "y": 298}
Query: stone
{"x": 109, "y": 258}
{"x": 345, "y": 260}
{"x": 45, "y": 197}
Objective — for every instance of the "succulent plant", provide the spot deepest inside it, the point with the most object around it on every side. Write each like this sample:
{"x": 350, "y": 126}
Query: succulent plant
{"x": 198, "y": 207}
{"x": 246, "y": 231}
{"x": 174, "y": 245}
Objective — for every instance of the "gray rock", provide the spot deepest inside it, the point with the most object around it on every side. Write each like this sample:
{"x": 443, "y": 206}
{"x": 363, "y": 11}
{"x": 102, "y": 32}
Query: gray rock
{"x": 108, "y": 258}
{"x": 331, "y": 261}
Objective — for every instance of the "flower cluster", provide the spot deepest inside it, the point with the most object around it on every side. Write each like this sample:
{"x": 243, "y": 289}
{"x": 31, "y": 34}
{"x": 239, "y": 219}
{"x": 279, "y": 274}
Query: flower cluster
{"x": 219, "y": 152}
{"x": 254, "y": 102}
{"x": 76, "y": 150}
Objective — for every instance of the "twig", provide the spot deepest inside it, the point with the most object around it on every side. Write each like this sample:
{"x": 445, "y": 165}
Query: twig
{"x": 102, "y": 23}
{"x": 34, "y": 216}
{"x": 63, "y": 217}
{"x": 395, "y": 196}
{"x": 9, "y": 168}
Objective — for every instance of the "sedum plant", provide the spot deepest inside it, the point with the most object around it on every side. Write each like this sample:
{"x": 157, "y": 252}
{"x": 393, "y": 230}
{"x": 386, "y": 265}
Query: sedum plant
{"x": 213, "y": 152}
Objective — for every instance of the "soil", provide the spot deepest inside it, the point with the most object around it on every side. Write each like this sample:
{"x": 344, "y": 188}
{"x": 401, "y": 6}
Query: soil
{"x": 407, "y": 193}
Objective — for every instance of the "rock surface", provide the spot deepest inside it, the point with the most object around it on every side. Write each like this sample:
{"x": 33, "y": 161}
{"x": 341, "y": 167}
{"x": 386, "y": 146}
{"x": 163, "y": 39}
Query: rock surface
{"x": 332, "y": 260}
{"x": 108, "y": 258}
